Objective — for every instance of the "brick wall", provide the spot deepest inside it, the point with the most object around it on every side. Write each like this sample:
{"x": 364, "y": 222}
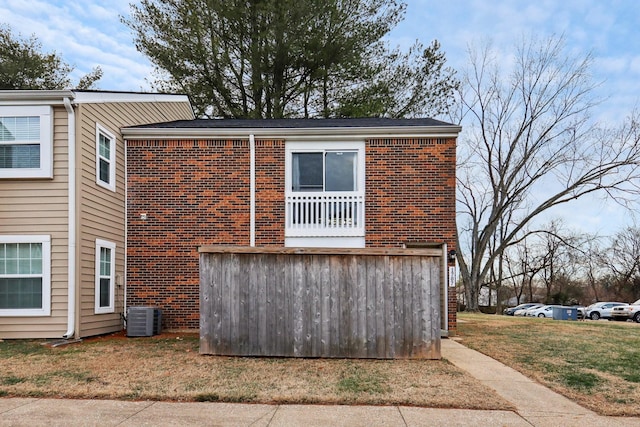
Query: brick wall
{"x": 410, "y": 191}
{"x": 193, "y": 193}
{"x": 196, "y": 193}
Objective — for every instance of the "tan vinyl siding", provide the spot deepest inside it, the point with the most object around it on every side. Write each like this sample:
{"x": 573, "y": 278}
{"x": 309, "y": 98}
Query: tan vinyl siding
{"x": 40, "y": 206}
{"x": 102, "y": 211}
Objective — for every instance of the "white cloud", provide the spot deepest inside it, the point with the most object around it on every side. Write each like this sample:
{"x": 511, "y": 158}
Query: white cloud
{"x": 85, "y": 34}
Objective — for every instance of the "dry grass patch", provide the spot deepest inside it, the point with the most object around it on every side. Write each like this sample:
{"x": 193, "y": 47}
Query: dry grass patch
{"x": 169, "y": 367}
{"x": 595, "y": 363}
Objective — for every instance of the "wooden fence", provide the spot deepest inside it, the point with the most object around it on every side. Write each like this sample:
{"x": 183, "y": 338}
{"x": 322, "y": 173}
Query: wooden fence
{"x": 359, "y": 303}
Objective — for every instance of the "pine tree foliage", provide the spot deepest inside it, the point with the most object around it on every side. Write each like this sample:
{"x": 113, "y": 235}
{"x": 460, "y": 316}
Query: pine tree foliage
{"x": 290, "y": 58}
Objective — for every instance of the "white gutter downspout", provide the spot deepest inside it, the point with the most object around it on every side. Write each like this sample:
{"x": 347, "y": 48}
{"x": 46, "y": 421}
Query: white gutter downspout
{"x": 445, "y": 276}
{"x": 71, "y": 271}
{"x": 252, "y": 185}
{"x": 126, "y": 232}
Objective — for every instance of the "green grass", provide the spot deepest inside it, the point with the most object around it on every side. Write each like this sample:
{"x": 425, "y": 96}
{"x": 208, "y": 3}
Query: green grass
{"x": 207, "y": 397}
{"x": 579, "y": 380}
{"x": 356, "y": 380}
{"x": 12, "y": 380}
{"x": 12, "y": 348}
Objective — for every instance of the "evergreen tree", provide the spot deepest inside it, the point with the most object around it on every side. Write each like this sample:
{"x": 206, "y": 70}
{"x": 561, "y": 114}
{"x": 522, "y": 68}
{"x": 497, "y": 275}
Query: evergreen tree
{"x": 290, "y": 58}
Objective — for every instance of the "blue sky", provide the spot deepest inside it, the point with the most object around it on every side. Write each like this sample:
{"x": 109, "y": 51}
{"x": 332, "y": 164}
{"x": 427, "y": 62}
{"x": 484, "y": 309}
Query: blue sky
{"x": 89, "y": 33}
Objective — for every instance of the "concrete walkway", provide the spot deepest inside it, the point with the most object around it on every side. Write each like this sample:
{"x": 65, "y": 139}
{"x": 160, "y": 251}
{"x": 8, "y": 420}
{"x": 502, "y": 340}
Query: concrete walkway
{"x": 536, "y": 406}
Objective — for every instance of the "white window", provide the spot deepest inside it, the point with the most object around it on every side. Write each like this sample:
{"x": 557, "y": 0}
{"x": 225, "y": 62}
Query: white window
{"x": 325, "y": 167}
{"x": 327, "y": 170}
{"x": 105, "y": 158}
{"x": 325, "y": 192}
{"x": 25, "y": 275}
{"x": 26, "y": 142}
{"x": 105, "y": 276}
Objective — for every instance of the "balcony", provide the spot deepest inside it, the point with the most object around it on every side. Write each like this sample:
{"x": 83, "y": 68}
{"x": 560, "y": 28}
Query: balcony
{"x": 324, "y": 214}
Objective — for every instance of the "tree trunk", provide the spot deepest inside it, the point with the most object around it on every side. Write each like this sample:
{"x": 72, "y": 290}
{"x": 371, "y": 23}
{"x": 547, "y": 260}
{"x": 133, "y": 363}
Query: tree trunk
{"x": 472, "y": 293}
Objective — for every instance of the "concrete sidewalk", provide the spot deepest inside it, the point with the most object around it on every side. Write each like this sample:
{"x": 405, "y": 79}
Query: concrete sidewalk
{"x": 61, "y": 412}
{"x": 536, "y": 406}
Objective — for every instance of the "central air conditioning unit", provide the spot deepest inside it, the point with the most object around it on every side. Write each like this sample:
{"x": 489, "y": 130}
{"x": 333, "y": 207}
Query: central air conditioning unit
{"x": 143, "y": 321}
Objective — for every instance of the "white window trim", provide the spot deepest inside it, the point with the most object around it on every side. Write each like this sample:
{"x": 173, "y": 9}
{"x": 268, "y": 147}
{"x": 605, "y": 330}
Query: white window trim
{"x": 318, "y": 146}
{"x": 46, "y": 276}
{"x": 111, "y": 185}
{"x": 111, "y": 307}
{"x": 45, "y": 113}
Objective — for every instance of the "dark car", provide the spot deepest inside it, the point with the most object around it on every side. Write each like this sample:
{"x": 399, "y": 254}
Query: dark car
{"x": 510, "y": 310}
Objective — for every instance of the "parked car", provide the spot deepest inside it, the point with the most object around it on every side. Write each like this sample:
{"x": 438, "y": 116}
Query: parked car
{"x": 601, "y": 310}
{"x": 510, "y": 310}
{"x": 626, "y": 312}
{"x": 580, "y": 311}
{"x": 523, "y": 311}
{"x": 544, "y": 311}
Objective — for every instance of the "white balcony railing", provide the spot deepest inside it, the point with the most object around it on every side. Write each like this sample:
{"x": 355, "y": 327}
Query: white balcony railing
{"x": 313, "y": 214}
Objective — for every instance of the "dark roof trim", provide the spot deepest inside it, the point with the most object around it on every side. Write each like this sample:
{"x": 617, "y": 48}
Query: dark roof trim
{"x": 292, "y": 123}
{"x": 310, "y": 128}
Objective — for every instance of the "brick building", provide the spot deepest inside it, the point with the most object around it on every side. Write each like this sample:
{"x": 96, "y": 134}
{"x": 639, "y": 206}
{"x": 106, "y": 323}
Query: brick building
{"x": 359, "y": 183}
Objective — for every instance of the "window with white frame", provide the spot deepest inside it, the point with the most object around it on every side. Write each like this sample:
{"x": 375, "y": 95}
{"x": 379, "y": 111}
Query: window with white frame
{"x": 25, "y": 275}
{"x": 325, "y": 184}
{"x": 326, "y": 170}
{"x": 105, "y": 158}
{"x": 26, "y": 142}
{"x": 331, "y": 166}
{"x": 105, "y": 276}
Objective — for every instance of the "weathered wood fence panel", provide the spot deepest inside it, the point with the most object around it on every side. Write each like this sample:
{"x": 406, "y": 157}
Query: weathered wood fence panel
{"x": 364, "y": 303}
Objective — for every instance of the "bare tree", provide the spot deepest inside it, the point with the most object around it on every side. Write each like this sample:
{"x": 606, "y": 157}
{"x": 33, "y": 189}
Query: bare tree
{"x": 591, "y": 267}
{"x": 622, "y": 263}
{"x": 523, "y": 266}
{"x": 531, "y": 145}
{"x": 560, "y": 252}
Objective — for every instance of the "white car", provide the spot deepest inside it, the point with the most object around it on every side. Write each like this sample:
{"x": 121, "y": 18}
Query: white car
{"x": 601, "y": 310}
{"x": 544, "y": 311}
{"x": 523, "y": 312}
{"x": 626, "y": 312}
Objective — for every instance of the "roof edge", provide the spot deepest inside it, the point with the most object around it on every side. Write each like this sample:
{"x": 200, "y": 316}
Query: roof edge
{"x": 96, "y": 97}
{"x": 55, "y": 97}
{"x": 302, "y": 133}
{"x": 35, "y": 96}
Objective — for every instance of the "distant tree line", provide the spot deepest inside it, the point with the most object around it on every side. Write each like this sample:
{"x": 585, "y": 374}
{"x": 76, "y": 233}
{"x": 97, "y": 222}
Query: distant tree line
{"x": 556, "y": 266}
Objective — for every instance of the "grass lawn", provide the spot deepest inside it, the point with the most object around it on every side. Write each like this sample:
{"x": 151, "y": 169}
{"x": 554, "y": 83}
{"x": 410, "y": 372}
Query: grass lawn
{"x": 169, "y": 367}
{"x": 594, "y": 363}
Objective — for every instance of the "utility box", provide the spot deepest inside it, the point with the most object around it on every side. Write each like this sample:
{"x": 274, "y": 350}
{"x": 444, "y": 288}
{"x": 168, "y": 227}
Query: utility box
{"x": 565, "y": 313}
{"x": 143, "y": 321}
